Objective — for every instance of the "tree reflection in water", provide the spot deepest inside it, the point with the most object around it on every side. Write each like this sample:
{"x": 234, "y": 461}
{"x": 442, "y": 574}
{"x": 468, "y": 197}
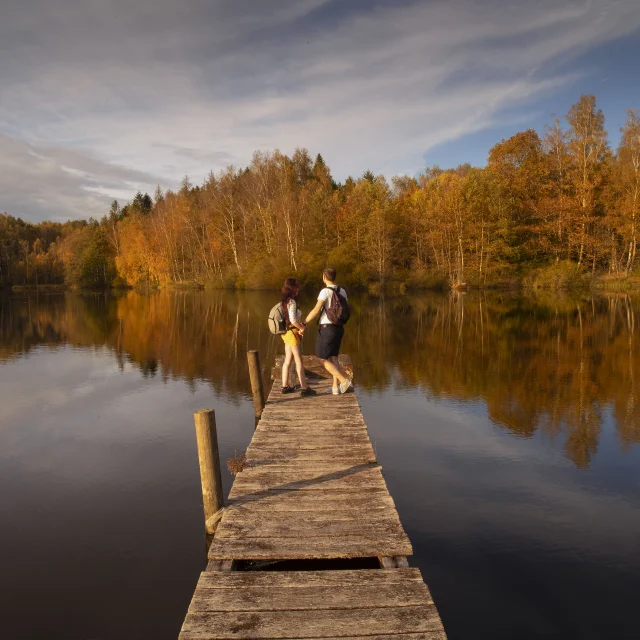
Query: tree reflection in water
{"x": 553, "y": 364}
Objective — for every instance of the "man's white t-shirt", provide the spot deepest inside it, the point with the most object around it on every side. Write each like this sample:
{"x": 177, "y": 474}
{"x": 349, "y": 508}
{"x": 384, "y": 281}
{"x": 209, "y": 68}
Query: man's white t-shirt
{"x": 325, "y": 296}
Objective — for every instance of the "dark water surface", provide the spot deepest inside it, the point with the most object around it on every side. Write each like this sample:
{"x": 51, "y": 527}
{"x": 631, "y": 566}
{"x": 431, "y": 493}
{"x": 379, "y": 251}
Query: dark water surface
{"x": 508, "y": 428}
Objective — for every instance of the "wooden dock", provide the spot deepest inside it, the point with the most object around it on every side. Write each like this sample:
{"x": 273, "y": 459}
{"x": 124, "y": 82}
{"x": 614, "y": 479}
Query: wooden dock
{"x": 311, "y": 492}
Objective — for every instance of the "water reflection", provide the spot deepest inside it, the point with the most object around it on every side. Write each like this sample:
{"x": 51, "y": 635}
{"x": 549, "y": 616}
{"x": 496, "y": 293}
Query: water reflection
{"x": 550, "y": 365}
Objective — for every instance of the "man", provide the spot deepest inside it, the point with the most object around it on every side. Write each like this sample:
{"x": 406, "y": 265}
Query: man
{"x": 330, "y": 334}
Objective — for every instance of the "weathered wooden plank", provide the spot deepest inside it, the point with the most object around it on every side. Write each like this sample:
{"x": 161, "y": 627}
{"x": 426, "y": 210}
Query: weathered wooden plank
{"x": 313, "y": 473}
{"x": 306, "y": 424}
{"x": 329, "y": 623}
{"x": 322, "y": 483}
{"x": 257, "y": 493}
{"x": 427, "y": 635}
{"x": 279, "y": 438}
{"x": 300, "y": 462}
{"x": 294, "y": 579}
{"x": 333, "y": 413}
{"x": 260, "y": 524}
{"x": 298, "y": 527}
{"x": 360, "y": 454}
{"x": 326, "y": 397}
{"x": 289, "y": 501}
{"x": 311, "y": 598}
{"x": 323, "y": 395}
{"x": 346, "y": 448}
{"x": 303, "y": 414}
{"x": 322, "y": 466}
{"x": 317, "y": 547}
{"x": 311, "y": 428}
{"x": 275, "y": 520}
{"x": 286, "y": 482}
{"x": 298, "y": 406}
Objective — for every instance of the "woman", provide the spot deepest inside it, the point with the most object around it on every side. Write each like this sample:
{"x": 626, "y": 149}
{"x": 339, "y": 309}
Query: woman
{"x": 293, "y": 337}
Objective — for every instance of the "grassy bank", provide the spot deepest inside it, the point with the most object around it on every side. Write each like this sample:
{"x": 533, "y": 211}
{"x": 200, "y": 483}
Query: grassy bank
{"x": 558, "y": 277}
{"x": 39, "y": 287}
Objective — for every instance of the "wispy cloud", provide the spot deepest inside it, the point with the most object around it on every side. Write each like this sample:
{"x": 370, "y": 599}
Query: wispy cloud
{"x": 130, "y": 97}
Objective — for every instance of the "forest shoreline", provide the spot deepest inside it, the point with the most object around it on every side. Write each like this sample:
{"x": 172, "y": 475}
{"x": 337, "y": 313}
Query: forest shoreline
{"x": 526, "y": 285}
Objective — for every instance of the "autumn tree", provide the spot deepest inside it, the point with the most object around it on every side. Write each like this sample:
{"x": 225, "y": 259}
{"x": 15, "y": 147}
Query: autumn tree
{"x": 628, "y": 178}
{"x": 588, "y": 151}
{"x": 519, "y": 171}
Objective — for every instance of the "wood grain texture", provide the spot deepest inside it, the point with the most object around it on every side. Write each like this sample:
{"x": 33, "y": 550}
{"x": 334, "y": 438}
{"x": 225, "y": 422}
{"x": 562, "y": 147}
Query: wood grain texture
{"x": 293, "y": 579}
{"x": 278, "y": 520}
{"x": 320, "y": 546}
{"x": 328, "y": 623}
{"x": 209, "y": 461}
{"x": 311, "y": 598}
{"x": 427, "y": 635}
{"x": 310, "y": 439}
{"x": 255, "y": 375}
{"x": 313, "y": 474}
{"x": 311, "y": 489}
{"x": 343, "y": 501}
{"x": 298, "y": 528}
{"x": 357, "y": 454}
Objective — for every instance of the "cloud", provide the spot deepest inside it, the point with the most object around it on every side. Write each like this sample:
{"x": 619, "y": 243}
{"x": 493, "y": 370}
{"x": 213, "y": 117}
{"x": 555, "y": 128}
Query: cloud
{"x": 57, "y": 184}
{"x": 130, "y": 95}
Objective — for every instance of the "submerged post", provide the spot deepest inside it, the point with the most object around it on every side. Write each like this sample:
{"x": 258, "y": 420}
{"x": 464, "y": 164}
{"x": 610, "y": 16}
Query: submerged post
{"x": 256, "y": 382}
{"x": 209, "y": 459}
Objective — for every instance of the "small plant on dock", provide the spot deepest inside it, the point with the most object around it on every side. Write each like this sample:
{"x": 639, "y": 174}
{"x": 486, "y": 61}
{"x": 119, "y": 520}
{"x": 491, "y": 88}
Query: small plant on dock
{"x": 236, "y": 464}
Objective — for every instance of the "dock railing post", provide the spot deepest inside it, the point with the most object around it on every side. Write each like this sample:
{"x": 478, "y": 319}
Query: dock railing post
{"x": 257, "y": 387}
{"x": 210, "y": 474}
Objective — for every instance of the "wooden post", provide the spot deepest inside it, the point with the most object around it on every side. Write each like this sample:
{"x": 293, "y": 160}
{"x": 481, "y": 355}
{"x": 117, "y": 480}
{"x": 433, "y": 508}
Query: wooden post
{"x": 256, "y": 382}
{"x": 209, "y": 459}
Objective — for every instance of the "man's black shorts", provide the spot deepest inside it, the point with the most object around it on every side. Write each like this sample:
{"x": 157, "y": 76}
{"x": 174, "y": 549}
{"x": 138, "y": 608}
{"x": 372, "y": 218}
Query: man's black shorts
{"x": 329, "y": 340}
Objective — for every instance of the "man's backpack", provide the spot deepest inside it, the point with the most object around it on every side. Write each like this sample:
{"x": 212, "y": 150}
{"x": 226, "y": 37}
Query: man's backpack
{"x": 337, "y": 310}
{"x": 277, "y": 322}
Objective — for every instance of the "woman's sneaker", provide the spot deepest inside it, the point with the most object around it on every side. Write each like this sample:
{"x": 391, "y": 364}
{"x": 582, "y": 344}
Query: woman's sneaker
{"x": 308, "y": 392}
{"x": 345, "y": 385}
{"x": 287, "y": 389}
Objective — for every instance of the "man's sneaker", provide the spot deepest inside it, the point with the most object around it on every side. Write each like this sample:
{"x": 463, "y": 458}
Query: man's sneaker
{"x": 345, "y": 385}
{"x": 308, "y": 392}
{"x": 287, "y": 389}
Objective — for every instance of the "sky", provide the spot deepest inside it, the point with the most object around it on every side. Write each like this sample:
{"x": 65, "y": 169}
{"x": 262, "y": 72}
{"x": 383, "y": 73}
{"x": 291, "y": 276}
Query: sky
{"x": 102, "y": 98}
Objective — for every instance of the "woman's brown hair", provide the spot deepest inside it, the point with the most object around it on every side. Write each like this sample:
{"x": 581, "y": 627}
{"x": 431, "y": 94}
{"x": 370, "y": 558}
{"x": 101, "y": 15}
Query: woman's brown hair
{"x": 290, "y": 291}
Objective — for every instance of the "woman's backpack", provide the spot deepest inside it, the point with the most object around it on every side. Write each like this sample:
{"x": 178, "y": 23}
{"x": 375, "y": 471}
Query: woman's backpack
{"x": 277, "y": 322}
{"x": 337, "y": 310}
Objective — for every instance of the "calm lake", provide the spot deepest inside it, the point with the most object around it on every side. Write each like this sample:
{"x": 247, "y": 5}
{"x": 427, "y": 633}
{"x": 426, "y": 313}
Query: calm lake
{"x": 508, "y": 429}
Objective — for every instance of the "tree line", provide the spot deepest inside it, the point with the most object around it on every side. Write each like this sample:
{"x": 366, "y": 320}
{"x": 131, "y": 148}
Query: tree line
{"x": 561, "y": 207}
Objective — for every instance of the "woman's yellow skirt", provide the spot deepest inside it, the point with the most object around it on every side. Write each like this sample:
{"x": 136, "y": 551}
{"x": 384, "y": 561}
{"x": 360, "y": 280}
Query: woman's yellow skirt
{"x": 291, "y": 338}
